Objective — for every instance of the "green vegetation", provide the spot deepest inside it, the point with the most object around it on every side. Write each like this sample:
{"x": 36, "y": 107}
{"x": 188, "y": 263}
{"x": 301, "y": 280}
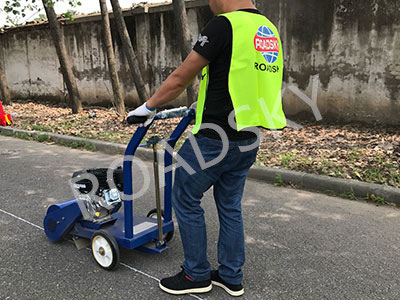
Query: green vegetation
{"x": 41, "y": 17}
{"x": 41, "y": 128}
{"x": 23, "y": 135}
{"x": 278, "y": 180}
{"x": 287, "y": 159}
{"x": 379, "y": 200}
{"x": 82, "y": 145}
{"x": 43, "y": 138}
{"x": 7, "y": 133}
{"x": 349, "y": 195}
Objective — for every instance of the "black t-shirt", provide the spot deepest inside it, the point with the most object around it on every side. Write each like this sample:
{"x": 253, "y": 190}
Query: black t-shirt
{"x": 215, "y": 44}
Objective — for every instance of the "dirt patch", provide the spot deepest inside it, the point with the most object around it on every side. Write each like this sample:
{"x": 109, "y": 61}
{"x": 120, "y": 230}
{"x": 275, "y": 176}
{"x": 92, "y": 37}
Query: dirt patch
{"x": 369, "y": 154}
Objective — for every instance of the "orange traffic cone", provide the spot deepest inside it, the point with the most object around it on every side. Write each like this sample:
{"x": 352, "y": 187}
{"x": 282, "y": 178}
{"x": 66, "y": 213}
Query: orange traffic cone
{"x": 5, "y": 119}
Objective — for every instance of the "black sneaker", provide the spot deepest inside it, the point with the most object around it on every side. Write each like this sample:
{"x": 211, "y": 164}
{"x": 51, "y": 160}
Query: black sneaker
{"x": 232, "y": 289}
{"x": 182, "y": 284}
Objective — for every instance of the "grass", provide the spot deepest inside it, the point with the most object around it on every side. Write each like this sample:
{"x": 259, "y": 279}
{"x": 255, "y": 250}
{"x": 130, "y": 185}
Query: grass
{"x": 349, "y": 195}
{"x": 41, "y": 128}
{"x": 354, "y": 155}
{"x": 43, "y": 138}
{"x": 82, "y": 145}
{"x": 23, "y": 135}
{"x": 395, "y": 179}
{"x": 46, "y": 138}
{"x": 278, "y": 180}
{"x": 379, "y": 200}
{"x": 286, "y": 159}
{"x": 7, "y": 133}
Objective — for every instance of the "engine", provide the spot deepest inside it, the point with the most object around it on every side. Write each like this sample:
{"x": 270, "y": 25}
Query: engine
{"x": 98, "y": 205}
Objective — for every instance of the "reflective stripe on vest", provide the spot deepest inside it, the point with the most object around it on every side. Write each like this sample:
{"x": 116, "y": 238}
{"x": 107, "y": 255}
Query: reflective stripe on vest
{"x": 255, "y": 75}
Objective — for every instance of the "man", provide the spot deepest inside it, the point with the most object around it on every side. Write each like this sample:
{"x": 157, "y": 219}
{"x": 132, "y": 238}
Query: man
{"x": 242, "y": 57}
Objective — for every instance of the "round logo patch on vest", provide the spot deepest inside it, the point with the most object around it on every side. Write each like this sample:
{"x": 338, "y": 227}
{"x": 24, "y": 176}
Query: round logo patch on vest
{"x": 266, "y": 42}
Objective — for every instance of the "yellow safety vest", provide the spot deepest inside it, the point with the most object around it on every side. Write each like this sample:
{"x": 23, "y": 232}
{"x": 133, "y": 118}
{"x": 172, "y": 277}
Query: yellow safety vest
{"x": 255, "y": 75}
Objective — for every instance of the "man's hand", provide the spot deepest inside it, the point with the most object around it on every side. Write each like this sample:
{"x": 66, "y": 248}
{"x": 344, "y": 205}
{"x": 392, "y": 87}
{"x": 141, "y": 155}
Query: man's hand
{"x": 141, "y": 115}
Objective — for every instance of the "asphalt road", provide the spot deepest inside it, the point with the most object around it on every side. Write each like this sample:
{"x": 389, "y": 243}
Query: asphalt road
{"x": 300, "y": 245}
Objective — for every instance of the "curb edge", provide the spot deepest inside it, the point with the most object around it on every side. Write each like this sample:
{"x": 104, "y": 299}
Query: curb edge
{"x": 312, "y": 182}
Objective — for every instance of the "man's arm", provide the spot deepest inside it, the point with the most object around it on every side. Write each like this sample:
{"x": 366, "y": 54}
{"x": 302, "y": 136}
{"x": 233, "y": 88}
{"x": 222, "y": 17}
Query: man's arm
{"x": 179, "y": 80}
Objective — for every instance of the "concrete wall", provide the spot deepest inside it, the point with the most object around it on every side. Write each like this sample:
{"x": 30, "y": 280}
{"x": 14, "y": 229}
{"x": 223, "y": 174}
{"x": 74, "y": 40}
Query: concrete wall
{"x": 351, "y": 48}
{"x": 32, "y": 68}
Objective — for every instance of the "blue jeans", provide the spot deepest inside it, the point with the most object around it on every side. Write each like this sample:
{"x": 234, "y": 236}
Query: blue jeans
{"x": 228, "y": 179}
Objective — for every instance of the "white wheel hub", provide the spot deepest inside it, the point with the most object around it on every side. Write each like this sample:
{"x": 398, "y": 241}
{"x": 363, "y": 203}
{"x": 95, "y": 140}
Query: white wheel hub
{"x": 102, "y": 251}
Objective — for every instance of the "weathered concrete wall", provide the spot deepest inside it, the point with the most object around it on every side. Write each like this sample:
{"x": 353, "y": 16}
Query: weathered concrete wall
{"x": 31, "y": 64}
{"x": 352, "y": 47}
{"x": 32, "y": 67}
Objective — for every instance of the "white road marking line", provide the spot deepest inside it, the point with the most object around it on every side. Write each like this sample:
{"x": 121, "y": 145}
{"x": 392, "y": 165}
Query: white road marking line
{"x": 23, "y": 220}
{"x": 138, "y": 271}
{"x": 122, "y": 264}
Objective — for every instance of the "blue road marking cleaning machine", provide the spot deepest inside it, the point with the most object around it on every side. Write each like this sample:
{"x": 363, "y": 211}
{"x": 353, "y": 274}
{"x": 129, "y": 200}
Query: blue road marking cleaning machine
{"x": 94, "y": 214}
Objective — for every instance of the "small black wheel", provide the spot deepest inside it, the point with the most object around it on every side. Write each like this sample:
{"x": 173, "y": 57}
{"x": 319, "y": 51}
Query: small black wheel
{"x": 105, "y": 250}
{"x": 153, "y": 214}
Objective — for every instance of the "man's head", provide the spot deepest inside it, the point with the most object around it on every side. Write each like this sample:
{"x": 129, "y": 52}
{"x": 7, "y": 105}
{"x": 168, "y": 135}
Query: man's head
{"x": 225, "y": 6}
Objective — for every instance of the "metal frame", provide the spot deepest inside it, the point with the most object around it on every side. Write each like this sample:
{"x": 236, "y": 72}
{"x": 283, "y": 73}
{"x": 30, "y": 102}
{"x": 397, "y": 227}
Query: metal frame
{"x": 65, "y": 218}
{"x": 135, "y": 142}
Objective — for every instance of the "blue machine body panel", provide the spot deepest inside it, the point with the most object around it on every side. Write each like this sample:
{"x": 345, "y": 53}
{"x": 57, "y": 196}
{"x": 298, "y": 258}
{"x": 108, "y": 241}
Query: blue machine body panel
{"x": 60, "y": 218}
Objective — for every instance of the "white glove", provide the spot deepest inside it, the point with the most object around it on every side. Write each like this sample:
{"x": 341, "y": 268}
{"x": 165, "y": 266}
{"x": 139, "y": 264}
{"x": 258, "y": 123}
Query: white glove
{"x": 143, "y": 111}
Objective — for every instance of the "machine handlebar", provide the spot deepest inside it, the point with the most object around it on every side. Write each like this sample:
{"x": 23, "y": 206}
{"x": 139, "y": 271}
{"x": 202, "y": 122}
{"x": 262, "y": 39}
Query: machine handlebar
{"x": 162, "y": 115}
{"x": 172, "y": 113}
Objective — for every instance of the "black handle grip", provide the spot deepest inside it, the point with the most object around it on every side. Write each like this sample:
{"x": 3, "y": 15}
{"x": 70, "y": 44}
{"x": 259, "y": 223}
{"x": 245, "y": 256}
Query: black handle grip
{"x": 136, "y": 120}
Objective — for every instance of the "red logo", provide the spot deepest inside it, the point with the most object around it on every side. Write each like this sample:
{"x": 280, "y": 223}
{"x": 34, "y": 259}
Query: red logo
{"x": 266, "y": 44}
